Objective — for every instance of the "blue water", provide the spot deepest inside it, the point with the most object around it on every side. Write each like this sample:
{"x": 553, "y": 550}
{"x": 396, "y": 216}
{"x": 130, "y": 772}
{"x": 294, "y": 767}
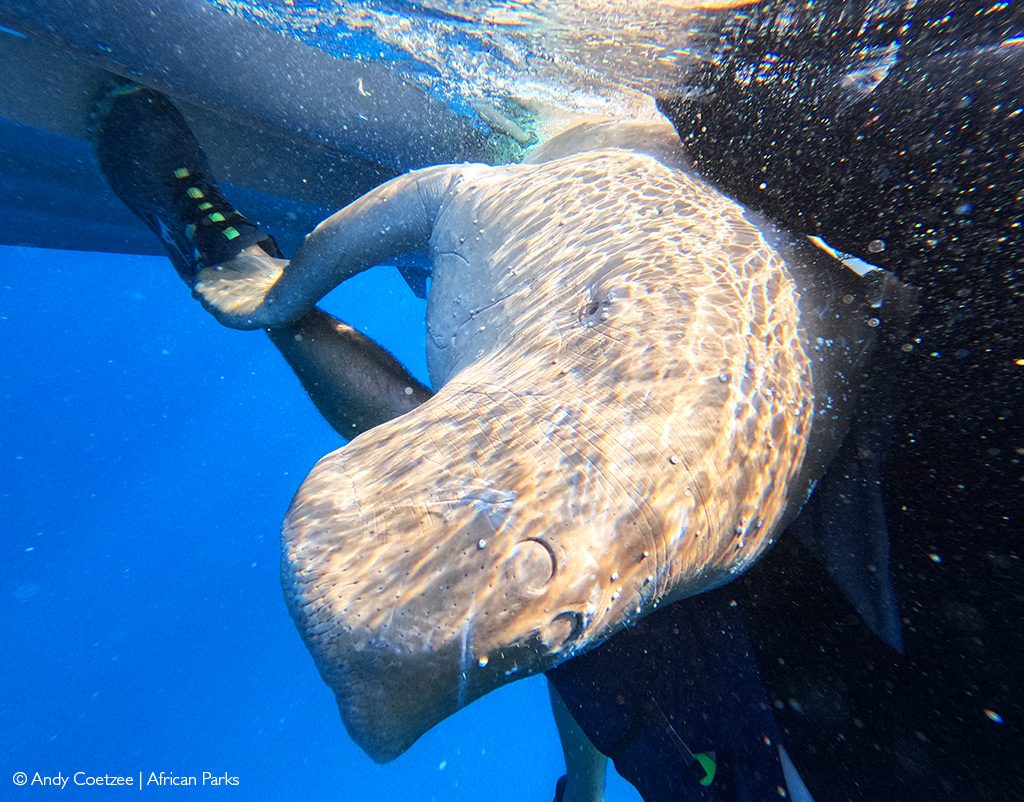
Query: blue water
{"x": 148, "y": 457}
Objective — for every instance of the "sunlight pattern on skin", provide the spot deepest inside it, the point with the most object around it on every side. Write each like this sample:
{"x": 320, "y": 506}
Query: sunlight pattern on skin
{"x": 626, "y": 399}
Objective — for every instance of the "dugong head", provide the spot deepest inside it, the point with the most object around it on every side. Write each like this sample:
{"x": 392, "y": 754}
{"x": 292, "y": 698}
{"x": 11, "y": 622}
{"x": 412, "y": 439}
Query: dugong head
{"x": 419, "y": 599}
{"x": 630, "y": 439}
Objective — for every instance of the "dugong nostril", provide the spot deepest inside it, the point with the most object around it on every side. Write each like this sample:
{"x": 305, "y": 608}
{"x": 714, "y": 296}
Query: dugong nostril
{"x": 530, "y": 564}
{"x": 561, "y": 630}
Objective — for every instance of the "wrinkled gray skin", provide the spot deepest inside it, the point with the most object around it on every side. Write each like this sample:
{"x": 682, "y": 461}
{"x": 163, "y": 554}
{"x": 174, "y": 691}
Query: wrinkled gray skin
{"x": 638, "y": 384}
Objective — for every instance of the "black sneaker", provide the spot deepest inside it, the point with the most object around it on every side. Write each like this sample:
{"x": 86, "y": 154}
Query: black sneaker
{"x": 154, "y": 164}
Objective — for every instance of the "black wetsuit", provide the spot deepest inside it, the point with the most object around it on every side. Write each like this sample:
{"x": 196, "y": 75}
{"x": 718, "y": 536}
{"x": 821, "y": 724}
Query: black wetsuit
{"x": 681, "y": 682}
{"x": 895, "y": 131}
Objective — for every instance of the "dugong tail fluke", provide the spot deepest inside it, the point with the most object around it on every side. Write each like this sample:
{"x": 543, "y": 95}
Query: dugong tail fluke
{"x": 631, "y": 401}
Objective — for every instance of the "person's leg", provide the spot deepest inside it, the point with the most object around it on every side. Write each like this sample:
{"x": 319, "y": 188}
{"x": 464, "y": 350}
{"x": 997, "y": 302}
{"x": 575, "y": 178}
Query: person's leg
{"x": 354, "y": 383}
{"x": 154, "y": 164}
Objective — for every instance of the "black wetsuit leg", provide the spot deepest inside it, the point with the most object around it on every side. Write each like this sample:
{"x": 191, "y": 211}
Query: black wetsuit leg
{"x": 682, "y": 681}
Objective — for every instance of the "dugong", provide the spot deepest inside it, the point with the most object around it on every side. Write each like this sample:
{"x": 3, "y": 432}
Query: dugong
{"x": 637, "y": 383}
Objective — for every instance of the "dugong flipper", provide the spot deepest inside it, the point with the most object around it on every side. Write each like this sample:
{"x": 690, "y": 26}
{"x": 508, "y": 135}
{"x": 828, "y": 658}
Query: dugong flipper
{"x": 637, "y": 387}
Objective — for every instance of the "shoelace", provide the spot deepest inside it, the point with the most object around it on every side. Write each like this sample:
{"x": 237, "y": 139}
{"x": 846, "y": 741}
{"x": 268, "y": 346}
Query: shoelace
{"x": 201, "y": 203}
